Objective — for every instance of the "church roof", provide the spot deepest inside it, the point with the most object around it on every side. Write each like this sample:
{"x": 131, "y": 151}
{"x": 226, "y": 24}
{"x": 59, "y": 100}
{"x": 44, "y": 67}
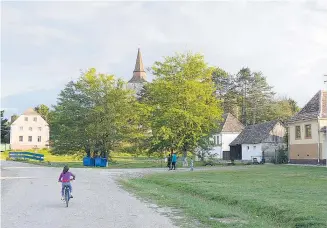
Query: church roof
{"x": 139, "y": 75}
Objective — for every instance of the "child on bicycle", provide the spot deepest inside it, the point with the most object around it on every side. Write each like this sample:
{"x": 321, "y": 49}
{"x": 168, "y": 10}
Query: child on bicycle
{"x": 65, "y": 178}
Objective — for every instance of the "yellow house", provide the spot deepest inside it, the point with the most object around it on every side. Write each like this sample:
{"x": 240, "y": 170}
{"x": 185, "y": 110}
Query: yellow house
{"x": 307, "y": 132}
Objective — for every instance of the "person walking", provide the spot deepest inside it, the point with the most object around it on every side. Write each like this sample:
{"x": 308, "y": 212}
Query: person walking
{"x": 173, "y": 161}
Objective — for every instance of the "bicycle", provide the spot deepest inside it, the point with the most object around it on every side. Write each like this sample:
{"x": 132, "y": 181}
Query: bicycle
{"x": 67, "y": 195}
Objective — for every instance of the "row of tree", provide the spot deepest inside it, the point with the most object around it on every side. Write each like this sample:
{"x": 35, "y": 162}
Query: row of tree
{"x": 249, "y": 97}
{"x": 97, "y": 112}
{"x": 176, "y": 112}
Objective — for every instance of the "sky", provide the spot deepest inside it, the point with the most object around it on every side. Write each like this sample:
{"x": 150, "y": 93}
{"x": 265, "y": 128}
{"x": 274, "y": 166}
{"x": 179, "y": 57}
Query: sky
{"x": 46, "y": 44}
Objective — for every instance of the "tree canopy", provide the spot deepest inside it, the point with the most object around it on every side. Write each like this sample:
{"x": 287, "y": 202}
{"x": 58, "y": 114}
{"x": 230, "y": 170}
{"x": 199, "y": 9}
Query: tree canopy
{"x": 5, "y": 129}
{"x": 177, "y": 112}
{"x": 96, "y": 112}
{"x": 182, "y": 102}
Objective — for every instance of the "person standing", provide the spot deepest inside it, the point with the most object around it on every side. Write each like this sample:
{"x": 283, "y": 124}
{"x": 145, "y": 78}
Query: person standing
{"x": 192, "y": 164}
{"x": 173, "y": 161}
{"x": 169, "y": 162}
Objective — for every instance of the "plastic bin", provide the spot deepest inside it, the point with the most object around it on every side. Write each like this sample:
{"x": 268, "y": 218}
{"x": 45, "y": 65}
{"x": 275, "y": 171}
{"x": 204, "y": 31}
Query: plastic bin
{"x": 88, "y": 161}
{"x": 100, "y": 162}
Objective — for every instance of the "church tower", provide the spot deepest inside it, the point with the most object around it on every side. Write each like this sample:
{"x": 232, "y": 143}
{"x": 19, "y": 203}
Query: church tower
{"x": 139, "y": 75}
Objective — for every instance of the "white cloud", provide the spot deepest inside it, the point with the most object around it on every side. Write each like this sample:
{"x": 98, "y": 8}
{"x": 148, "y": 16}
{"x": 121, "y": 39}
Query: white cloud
{"x": 46, "y": 43}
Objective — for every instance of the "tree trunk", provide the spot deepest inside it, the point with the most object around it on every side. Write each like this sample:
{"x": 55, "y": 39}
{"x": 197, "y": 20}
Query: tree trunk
{"x": 254, "y": 113}
{"x": 88, "y": 151}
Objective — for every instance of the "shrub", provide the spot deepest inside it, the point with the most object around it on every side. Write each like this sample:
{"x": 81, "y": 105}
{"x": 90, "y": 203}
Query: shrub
{"x": 281, "y": 157}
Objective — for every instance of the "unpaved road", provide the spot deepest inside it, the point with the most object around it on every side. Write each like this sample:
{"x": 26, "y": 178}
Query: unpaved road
{"x": 30, "y": 198}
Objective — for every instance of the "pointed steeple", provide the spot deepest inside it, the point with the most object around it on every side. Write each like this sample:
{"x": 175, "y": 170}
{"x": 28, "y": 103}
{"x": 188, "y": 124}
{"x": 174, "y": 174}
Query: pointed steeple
{"x": 139, "y": 75}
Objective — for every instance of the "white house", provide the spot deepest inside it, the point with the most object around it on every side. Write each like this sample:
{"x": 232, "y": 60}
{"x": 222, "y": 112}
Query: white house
{"x": 29, "y": 131}
{"x": 230, "y": 128}
{"x": 257, "y": 141}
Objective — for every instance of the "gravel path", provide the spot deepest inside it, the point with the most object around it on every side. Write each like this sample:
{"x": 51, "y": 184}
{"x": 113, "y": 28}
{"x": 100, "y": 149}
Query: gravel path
{"x": 30, "y": 198}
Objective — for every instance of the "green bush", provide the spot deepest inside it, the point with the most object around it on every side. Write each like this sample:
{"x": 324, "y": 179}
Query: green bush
{"x": 281, "y": 157}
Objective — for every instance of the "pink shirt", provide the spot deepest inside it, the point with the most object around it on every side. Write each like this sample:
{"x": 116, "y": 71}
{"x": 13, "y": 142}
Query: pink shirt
{"x": 65, "y": 177}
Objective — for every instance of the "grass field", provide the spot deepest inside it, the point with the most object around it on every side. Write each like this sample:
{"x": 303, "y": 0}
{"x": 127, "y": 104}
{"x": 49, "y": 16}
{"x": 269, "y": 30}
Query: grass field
{"x": 119, "y": 161}
{"x": 249, "y": 196}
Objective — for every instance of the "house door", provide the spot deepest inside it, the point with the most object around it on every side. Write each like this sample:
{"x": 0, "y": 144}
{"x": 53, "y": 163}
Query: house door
{"x": 236, "y": 152}
{"x": 226, "y": 155}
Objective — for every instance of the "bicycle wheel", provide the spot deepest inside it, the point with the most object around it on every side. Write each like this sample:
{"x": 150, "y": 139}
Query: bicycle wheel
{"x": 67, "y": 196}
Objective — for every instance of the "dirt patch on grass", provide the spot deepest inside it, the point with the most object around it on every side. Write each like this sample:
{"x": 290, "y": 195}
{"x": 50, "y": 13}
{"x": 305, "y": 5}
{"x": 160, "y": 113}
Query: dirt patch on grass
{"x": 229, "y": 220}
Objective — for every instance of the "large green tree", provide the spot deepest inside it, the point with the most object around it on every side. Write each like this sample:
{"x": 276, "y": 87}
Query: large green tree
{"x": 182, "y": 101}
{"x": 5, "y": 129}
{"x": 225, "y": 91}
{"x": 282, "y": 108}
{"x": 43, "y": 110}
{"x": 249, "y": 97}
{"x": 94, "y": 113}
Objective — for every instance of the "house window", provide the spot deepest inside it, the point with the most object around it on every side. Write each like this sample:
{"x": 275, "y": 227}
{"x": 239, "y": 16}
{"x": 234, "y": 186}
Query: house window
{"x": 30, "y": 129}
{"x": 216, "y": 140}
{"x": 39, "y": 138}
{"x": 30, "y": 138}
{"x": 308, "y": 131}
{"x": 275, "y": 138}
{"x": 26, "y": 118}
{"x": 40, "y": 128}
{"x": 21, "y": 138}
{"x": 297, "y": 132}
{"x": 35, "y": 119}
{"x": 254, "y": 147}
{"x": 21, "y": 128}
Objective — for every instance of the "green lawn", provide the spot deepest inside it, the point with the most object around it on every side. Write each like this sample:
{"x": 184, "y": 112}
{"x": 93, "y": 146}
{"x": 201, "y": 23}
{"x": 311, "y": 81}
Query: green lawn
{"x": 48, "y": 156}
{"x": 249, "y": 196}
{"x": 119, "y": 161}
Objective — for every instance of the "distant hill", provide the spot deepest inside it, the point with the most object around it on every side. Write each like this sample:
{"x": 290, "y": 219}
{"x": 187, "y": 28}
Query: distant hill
{"x": 16, "y": 104}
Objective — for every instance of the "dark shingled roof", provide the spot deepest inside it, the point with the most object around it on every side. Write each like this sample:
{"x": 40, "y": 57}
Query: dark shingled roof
{"x": 231, "y": 124}
{"x": 317, "y": 106}
{"x": 254, "y": 134}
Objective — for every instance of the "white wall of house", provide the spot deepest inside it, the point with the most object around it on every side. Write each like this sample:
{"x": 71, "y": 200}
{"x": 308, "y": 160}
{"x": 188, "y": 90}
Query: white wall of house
{"x": 29, "y": 131}
{"x": 216, "y": 151}
{"x": 250, "y": 151}
{"x": 222, "y": 142}
{"x": 227, "y": 138}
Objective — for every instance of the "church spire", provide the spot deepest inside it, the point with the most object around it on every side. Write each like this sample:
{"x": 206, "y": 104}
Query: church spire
{"x": 139, "y": 74}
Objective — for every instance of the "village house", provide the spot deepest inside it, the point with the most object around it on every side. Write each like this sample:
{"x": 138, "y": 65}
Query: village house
{"x": 29, "y": 131}
{"x": 230, "y": 128}
{"x": 307, "y": 132}
{"x": 258, "y": 141}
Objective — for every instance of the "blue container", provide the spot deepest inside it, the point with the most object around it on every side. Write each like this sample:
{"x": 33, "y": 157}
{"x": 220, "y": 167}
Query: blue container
{"x": 100, "y": 162}
{"x": 88, "y": 161}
